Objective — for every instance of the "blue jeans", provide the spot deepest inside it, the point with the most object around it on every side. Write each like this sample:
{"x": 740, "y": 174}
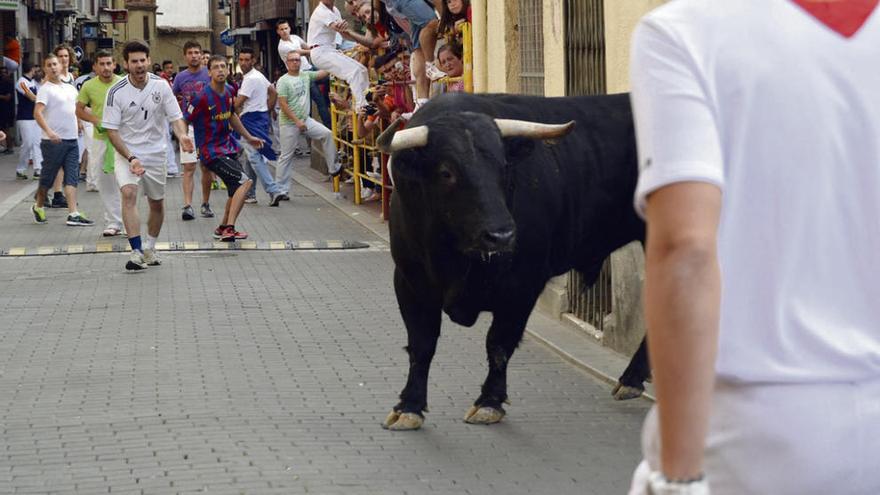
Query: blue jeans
{"x": 258, "y": 168}
{"x": 322, "y": 101}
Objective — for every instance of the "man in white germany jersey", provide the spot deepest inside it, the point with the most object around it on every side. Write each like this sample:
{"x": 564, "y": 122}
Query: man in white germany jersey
{"x": 136, "y": 115}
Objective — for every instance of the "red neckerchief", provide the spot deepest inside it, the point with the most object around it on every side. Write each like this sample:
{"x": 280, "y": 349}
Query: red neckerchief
{"x": 844, "y": 16}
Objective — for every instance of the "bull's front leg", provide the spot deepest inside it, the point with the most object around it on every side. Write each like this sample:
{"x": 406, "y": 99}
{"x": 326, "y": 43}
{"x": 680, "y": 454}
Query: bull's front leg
{"x": 504, "y": 336}
{"x": 422, "y": 322}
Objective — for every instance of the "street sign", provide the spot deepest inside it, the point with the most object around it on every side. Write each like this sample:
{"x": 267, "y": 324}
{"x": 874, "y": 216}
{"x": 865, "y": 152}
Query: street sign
{"x": 78, "y": 51}
{"x": 227, "y": 38}
{"x": 90, "y": 32}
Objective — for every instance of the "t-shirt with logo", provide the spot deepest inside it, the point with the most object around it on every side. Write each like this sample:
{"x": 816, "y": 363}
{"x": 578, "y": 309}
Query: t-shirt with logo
{"x": 60, "y": 111}
{"x": 778, "y": 106}
{"x": 141, "y": 116}
{"x": 295, "y": 89}
{"x": 25, "y": 110}
{"x": 209, "y": 115}
{"x": 188, "y": 84}
{"x": 79, "y": 81}
{"x": 93, "y": 94}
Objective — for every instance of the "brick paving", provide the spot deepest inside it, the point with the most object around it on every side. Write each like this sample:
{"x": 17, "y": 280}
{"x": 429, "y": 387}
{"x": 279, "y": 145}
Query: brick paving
{"x": 268, "y": 372}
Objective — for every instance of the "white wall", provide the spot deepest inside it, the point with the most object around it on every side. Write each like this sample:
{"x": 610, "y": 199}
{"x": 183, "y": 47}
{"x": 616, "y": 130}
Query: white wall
{"x": 188, "y": 13}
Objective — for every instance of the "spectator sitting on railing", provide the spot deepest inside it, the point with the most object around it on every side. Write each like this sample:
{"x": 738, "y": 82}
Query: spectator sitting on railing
{"x": 450, "y": 57}
{"x": 452, "y": 14}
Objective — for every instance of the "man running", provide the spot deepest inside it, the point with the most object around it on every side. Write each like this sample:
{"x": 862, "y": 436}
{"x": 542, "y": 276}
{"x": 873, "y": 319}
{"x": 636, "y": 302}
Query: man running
{"x": 90, "y": 108}
{"x": 136, "y": 114}
{"x": 252, "y": 104}
{"x": 293, "y": 96}
{"x": 211, "y": 114}
{"x": 187, "y": 85}
{"x": 55, "y": 113}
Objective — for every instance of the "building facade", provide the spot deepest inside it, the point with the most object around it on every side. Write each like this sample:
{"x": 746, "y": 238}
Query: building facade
{"x": 179, "y": 22}
{"x": 567, "y": 48}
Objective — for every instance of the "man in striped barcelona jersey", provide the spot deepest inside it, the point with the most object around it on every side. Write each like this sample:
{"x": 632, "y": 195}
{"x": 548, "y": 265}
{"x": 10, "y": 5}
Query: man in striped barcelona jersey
{"x": 212, "y": 116}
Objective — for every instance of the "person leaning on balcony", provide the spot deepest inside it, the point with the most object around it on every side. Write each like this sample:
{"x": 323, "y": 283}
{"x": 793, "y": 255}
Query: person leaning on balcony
{"x": 757, "y": 125}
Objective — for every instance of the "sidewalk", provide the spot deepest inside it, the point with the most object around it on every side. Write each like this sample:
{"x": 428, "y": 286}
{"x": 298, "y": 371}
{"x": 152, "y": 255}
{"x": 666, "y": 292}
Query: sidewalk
{"x": 268, "y": 372}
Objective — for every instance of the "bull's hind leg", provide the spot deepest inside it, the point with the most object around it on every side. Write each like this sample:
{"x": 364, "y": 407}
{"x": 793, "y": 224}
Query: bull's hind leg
{"x": 631, "y": 383}
{"x": 503, "y": 338}
{"x": 422, "y": 329}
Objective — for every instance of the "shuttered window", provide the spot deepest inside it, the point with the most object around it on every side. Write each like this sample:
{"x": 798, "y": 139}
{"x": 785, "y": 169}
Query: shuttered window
{"x": 531, "y": 47}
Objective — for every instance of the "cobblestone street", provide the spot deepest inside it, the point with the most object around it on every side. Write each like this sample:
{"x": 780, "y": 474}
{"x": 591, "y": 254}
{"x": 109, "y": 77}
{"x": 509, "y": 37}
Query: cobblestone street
{"x": 264, "y": 372}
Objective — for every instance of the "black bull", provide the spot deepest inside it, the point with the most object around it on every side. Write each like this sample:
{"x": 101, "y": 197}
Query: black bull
{"x": 480, "y": 221}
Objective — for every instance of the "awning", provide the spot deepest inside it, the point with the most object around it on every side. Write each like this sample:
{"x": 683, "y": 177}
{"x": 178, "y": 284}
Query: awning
{"x": 242, "y": 31}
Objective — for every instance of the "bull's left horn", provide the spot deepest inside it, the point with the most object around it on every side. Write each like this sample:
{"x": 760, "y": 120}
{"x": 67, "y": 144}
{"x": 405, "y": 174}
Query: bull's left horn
{"x": 535, "y": 130}
{"x": 390, "y": 141}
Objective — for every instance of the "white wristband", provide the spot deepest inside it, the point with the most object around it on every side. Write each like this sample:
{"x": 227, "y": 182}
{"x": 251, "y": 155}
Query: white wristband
{"x": 659, "y": 485}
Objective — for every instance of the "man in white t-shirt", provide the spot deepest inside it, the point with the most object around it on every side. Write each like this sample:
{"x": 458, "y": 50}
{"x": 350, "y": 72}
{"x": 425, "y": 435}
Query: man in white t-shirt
{"x": 136, "y": 116}
{"x": 252, "y": 103}
{"x": 757, "y": 126}
{"x": 324, "y": 24}
{"x": 55, "y": 113}
{"x": 26, "y": 126}
{"x": 289, "y": 41}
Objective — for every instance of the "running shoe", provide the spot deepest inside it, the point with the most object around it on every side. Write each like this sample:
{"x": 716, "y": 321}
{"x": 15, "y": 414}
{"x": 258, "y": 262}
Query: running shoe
{"x": 222, "y": 185}
{"x": 206, "y": 210}
{"x": 136, "y": 261}
{"x": 111, "y": 232}
{"x": 276, "y": 199}
{"x": 232, "y": 235}
{"x": 218, "y": 232}
{"x": 188, "y": 213}
{"x": 79, "y": 220}
{"x": 250, "y": 201}
{"x": 20, "y": 176}
{"x": 39, "y": 214}
{"x": 59, "y": 201}
{"x": 433, "y": 72}
{"x": 150, "y": 257}
{"x": 36, "y": 175}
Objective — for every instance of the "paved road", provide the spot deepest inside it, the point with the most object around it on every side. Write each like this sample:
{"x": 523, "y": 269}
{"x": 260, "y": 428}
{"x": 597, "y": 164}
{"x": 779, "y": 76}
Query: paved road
{"x": 267, "y": 372}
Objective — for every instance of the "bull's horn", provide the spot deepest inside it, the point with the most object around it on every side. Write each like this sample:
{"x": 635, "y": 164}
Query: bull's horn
{"x": 390, "y": 140}
{"x": 535, "y": 130}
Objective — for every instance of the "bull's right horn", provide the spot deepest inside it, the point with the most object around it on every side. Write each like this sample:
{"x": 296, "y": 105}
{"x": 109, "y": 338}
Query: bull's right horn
{"x": 535, "y": 130}
{"x": 392, "y": 140}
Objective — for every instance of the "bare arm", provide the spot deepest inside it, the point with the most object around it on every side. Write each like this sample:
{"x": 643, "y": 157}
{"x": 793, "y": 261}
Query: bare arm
{"x": 27, "y": 91}
{"x": 116, "y": 141}
{"x": 239, "y": 102}
{"x": 85, "y": 113}
{"x": 285, "y": 109}
{"x": 271, "y": 98}
{"x": 179, "y": 128}
{"x": 41, "y": 121}
{"x": 682, "y": 299}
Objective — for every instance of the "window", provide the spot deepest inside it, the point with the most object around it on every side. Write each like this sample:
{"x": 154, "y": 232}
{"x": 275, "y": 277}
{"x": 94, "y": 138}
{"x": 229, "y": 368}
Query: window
{"x": 147, "y": 29}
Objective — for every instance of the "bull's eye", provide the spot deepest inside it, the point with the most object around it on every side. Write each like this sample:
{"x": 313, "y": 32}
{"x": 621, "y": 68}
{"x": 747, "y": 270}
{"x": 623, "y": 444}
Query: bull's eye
{"x": 446, "y": 175}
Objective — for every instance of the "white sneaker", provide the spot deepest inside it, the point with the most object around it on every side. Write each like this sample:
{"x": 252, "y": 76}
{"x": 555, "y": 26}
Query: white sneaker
{"x": 136, "y": 261}
{"x": 433, "y": 72}
{"x": 150, "y": 257}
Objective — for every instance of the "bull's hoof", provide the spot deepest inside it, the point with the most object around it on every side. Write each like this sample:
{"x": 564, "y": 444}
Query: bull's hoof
{"x": 483, "y": 415}
{"x": 625, "y": 392}
{"x": 403, "y": 421}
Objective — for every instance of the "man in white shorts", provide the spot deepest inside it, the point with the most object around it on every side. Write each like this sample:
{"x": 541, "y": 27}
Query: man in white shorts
{"x": 187, "y": 85}
{"x": 757, "y": 126}
{"x": 136, "y": 116}
{"x": 323, "y": 25}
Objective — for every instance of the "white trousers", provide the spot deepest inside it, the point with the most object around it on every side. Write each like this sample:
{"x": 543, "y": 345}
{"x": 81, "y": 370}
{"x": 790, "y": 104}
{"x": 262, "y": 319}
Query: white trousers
{"x": 29, "y": 131}
{"x": 108, "y": 188}
{"x": 87, "y": 139}
{"x": 345, "y": 68}
{"x": 289, "y": 139}
{"x": 781, "y": 439}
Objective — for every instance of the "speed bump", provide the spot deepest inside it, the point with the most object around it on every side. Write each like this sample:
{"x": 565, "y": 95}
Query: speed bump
{"x": 191, "y": 246}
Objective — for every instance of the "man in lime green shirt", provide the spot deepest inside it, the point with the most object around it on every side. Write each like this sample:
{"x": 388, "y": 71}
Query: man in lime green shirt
{"x": 90, "y": 108}
{"x": 295, "y": 102}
